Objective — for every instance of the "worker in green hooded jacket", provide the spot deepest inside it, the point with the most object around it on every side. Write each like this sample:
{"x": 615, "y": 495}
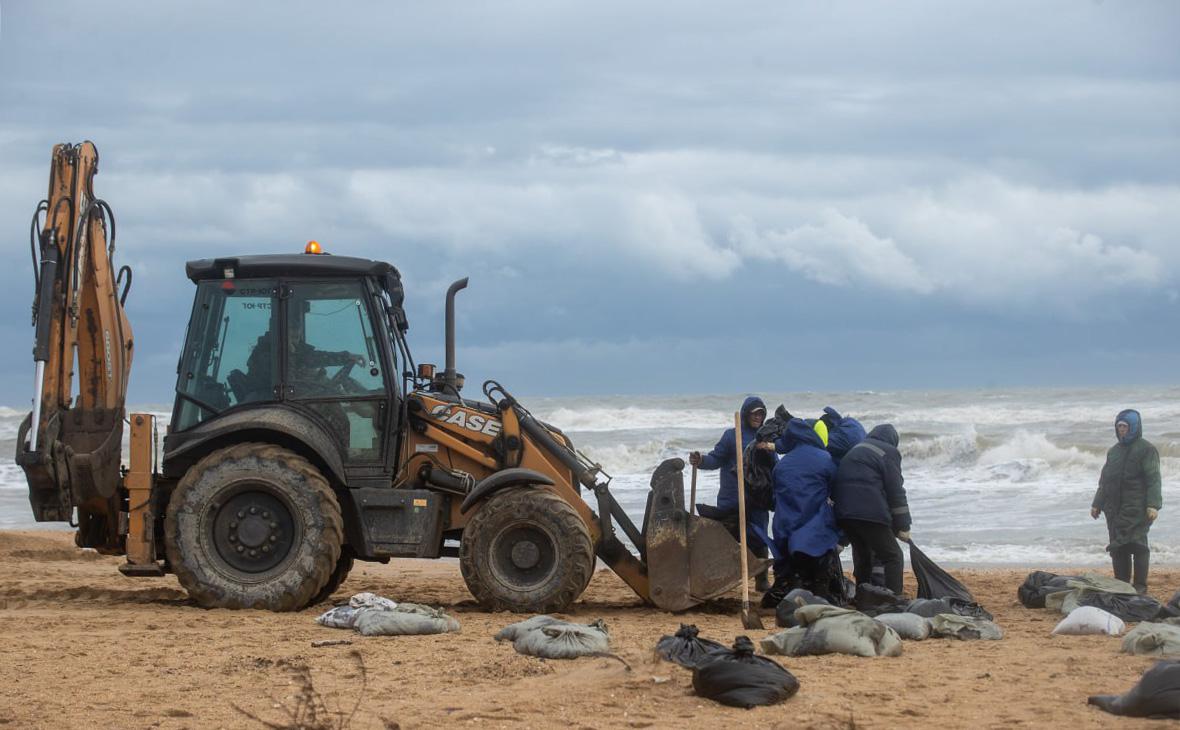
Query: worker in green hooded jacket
{"x": 1131, "y": 495}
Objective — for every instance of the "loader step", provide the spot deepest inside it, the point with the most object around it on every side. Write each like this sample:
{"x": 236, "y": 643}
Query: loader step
{"x": 148, "y": 570}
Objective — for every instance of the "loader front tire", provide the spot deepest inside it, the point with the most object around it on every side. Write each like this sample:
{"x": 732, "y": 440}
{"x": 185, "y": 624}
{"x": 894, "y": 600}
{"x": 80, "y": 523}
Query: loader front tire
{"x": 526, "y": 550}
{"x": 253, "y": 526}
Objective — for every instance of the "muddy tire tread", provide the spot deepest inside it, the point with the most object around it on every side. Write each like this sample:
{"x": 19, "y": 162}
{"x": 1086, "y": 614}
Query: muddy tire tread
{"x": 311, "y": 578}
{"x": 577, "y": 568}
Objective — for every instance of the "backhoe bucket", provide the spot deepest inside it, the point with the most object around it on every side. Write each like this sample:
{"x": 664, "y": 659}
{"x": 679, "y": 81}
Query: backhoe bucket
{"x": 690, "y": 559}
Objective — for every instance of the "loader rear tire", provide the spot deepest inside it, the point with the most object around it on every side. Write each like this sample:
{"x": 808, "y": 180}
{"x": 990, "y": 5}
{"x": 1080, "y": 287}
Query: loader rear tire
{"x": 339, "y": 575}
{"x": 526, "y": 550}
{"x": 253, "y": 526}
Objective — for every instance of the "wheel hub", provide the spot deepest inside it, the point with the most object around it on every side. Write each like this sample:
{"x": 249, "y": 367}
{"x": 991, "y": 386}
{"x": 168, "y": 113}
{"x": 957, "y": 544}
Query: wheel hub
{"x": 253, "y": 531}
{"x": 526, "y": 554}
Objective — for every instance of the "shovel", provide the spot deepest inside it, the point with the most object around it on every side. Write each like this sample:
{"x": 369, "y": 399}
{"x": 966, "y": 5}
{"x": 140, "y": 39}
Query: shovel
{"x": 692, "y": 502}
{"x": 750, "y": 620}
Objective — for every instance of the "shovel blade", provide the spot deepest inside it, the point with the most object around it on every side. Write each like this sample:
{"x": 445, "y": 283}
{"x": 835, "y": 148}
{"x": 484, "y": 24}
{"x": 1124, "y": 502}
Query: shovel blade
{"x": 750, "y": 618}
{"x": 690, "y": 559}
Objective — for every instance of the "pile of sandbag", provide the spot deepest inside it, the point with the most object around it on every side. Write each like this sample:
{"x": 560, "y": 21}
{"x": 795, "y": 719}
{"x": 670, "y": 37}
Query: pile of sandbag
{"x": 1067, "y": 593}
{"x": 373, "y": 615}
{"x": 784, "y": 612}
{"x": 833, "y": 630}
{"x": 954, "y": 626}
{"x": 740, "y": 678}
{"x": 1038, "y": 585}
{"x": 874, "y": 600}
{"x": 931, "y": 607}
{"x": 1153, "y": 639}
{"x": 1156, "y": 694}
{"x": 909, "y": 626}
{"x": 551, "y": 638}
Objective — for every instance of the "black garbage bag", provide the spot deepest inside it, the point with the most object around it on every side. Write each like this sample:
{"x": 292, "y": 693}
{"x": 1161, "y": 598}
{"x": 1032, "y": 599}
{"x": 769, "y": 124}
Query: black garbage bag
{"x": 739, "y": 678}
{"x": 773, "y": 428}
{"x": 931, "y": 607}
{"x": 1171, "y": 609}
{"x": 1126, "y": 607}
{"x": 872, "y": 600}
{"x": 1039, "y": 584}
{"x": 686, "y": 648}
{"x": 758, "y": 465}
{"x": 933, "y": 581}
{"x": 784, "y": 612}
{"x": 1156, "y": 694}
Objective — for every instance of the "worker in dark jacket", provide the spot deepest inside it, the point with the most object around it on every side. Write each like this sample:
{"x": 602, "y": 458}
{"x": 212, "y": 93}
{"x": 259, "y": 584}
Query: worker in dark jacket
{"x": 871, "y": 505}
{"x": 805, "y": 531}
{"x": 1130, "y": 492}
{"x": 724, "y": 457}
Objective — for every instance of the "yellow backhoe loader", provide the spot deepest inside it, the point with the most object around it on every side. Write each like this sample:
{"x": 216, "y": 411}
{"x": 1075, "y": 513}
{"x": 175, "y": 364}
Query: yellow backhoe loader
{"x": 303, "y": 437}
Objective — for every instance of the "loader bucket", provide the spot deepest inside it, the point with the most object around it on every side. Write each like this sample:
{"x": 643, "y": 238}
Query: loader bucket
{"x": 690, "y": 559}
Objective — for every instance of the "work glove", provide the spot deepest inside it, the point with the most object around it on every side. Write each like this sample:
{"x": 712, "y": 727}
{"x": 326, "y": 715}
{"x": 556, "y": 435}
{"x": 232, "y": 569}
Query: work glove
{"x": 766, "y": 445}
{"x": 903, "y": 535}
{"x": 1152, "y": 513}
{"x": 1094, "y": 512}
{"x": 695, "y": 458}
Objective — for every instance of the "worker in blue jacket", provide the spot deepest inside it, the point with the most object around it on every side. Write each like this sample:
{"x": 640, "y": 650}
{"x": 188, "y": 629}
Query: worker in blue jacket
{"x": 724, "y": 457}
{"x": 844, "y": 432}
{"x": 805, "y": 530}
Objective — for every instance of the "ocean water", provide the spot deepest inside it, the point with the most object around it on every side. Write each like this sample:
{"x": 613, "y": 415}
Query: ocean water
{"x": 994, "y": 477}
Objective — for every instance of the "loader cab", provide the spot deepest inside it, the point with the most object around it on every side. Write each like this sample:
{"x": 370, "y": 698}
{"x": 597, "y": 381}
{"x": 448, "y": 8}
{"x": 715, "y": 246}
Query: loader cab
{"x": 302, "y": 350}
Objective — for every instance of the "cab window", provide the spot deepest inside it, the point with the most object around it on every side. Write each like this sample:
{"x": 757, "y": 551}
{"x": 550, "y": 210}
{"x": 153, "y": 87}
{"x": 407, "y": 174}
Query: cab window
{"x": 230, "y": 355}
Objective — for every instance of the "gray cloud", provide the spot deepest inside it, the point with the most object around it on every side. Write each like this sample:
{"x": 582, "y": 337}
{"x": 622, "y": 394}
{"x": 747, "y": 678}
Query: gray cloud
{"x": 627, "y": 172}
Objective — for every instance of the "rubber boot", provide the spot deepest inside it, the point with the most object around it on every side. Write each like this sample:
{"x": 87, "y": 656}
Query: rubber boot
{"x": 1141, "y": 557}
{"x": 762, "y": 582}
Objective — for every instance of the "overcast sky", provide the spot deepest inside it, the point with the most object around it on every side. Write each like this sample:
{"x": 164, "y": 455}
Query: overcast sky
{"x": 648, "y": 197}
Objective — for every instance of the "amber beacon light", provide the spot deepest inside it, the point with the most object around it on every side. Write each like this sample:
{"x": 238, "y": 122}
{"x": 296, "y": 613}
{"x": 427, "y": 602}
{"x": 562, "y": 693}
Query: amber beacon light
{"x": 313, "y": 247}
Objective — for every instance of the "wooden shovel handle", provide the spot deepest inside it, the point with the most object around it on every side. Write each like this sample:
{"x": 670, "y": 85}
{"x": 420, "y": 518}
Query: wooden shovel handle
{"x": 741, "y": 494}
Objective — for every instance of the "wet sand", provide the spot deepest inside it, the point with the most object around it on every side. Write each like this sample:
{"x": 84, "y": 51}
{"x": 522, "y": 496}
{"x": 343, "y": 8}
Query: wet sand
{"x": 84, "y": 646}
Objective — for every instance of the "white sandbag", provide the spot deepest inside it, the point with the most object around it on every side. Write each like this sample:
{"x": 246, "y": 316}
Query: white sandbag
{"x": 372, "y": 600}
{"x": 405, "y": 620}
{"x": 561, "y": 640}
{"x": 908, "y": 626}
{"x": 338, "y": 617}
{"x": 953, "y": 626}
{"x": 832, "y": 630}
{"x": 1088, "y": 620}
{"x": 344, "y": 617}
{"x": 520, "y": 628}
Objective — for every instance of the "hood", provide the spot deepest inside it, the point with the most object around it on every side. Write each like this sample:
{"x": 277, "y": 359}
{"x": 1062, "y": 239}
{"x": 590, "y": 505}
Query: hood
{"x": 748, "y": 405}
{"x": 885, "y": 432}
{"x": 1134, "y": 420}
{"x": 801, "y": 432}
{"x": 831, "y": 417}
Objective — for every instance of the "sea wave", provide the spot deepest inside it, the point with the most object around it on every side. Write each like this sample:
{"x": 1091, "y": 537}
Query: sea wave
{"x": 634, "y": 418}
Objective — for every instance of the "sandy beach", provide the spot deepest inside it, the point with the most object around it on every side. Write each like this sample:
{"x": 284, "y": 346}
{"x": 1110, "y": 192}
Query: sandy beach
{"x": 84, "y": 646}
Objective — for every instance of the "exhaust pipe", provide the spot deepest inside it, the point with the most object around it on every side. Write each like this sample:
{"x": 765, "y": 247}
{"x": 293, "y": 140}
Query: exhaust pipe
{"x": 450, "y": 377}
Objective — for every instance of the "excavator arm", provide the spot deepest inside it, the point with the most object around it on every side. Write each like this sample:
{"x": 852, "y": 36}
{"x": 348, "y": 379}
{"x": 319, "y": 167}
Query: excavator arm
{"x": 69, "y": 446}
